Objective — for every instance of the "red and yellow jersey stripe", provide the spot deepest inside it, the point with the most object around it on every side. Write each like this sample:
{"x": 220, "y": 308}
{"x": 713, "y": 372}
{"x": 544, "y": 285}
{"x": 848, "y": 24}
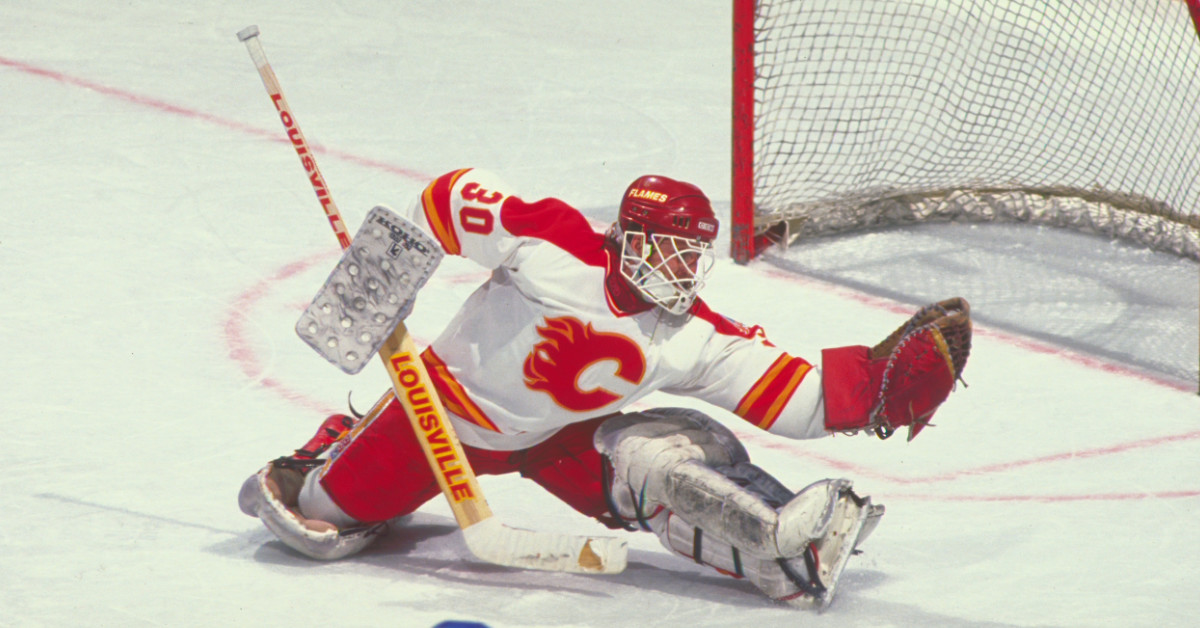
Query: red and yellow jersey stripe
{"x": 768, "y": 396}
{"x": 453, "y": 395}
{"x": 437, "y": 203}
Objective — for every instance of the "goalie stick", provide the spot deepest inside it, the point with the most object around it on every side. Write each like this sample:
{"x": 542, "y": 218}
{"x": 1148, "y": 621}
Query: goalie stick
{"x": 485, "y": 536}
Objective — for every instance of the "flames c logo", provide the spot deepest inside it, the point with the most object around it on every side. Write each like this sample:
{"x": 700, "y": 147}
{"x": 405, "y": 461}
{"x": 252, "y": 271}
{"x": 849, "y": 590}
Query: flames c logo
{"x": 568, "y": 349}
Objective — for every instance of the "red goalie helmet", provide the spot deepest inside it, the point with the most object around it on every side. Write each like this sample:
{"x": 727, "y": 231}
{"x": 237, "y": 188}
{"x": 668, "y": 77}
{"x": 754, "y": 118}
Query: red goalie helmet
{"x": 663, "y": 205}
{"x": 665, "y": 231}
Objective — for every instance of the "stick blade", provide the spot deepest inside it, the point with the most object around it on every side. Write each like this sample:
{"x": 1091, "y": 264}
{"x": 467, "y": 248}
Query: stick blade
{"x": 499, "y": 544}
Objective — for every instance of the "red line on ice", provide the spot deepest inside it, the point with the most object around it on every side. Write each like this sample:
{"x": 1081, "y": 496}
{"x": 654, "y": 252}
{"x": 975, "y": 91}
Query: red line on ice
{"x": 241, "y": 350}
{"x": 165, "y": 107}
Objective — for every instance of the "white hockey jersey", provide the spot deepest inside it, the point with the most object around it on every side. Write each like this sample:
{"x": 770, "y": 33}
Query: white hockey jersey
{"x": 556, "y": 336}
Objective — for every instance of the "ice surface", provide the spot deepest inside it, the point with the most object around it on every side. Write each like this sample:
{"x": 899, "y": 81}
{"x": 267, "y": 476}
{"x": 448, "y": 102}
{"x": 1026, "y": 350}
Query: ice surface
{"x": 158, "y": 240}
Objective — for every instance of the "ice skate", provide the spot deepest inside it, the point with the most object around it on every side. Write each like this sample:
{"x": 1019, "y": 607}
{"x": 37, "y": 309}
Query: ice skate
{"x": 816, "y": 574}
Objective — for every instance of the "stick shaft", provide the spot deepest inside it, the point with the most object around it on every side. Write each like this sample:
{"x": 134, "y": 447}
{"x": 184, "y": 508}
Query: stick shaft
{"x": 410, "y": 379}
{"x": 303, "y": 150}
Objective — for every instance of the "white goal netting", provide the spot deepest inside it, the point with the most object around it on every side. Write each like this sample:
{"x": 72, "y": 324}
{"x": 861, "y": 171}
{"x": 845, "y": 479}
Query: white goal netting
{"x": 1065, "y": 112}
{"x": 868, "y": 114}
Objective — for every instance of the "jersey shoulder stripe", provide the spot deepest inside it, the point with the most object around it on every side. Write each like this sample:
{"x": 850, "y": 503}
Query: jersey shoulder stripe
{"x": 436, "y": 202}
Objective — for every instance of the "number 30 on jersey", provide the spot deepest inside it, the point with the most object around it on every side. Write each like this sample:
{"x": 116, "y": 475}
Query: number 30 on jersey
{"x": 474, "y": 219}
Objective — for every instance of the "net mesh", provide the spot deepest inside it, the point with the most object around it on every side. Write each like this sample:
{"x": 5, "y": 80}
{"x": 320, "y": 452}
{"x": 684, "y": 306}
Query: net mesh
{"x": 1081, "y": 114}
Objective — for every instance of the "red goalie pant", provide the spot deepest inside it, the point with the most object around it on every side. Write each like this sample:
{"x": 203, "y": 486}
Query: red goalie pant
{"x": 382, "y": 472}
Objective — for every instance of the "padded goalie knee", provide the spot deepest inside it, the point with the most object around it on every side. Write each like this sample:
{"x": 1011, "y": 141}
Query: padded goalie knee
{"x": 902, "y": 380}
{"x": 680, "y": 474}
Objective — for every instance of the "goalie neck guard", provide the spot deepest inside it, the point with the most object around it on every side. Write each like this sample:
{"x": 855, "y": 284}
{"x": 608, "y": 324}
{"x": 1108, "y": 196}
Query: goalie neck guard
{"x": 666, "y": 229}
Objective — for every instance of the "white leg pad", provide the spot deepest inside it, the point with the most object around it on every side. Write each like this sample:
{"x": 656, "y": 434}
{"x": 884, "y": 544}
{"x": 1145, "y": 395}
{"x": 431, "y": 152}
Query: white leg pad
{"x": 685, "y": 477}
{"x": 256, "y": 499}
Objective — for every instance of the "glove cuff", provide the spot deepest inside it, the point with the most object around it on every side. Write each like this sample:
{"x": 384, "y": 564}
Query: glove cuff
{"x": 850, "y": 380}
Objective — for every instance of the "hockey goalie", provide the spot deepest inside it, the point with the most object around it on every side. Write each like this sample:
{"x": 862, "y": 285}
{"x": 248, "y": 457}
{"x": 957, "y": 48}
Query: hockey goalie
{"x": 542, "y": 363}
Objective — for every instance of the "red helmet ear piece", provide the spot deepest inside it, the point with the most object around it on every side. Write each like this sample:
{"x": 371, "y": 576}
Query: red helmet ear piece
{"x": 659, "y": 204}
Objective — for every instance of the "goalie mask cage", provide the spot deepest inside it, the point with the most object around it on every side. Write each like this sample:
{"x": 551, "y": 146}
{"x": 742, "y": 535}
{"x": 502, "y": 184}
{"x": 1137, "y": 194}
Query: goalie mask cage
{"x": 858, "y": 114}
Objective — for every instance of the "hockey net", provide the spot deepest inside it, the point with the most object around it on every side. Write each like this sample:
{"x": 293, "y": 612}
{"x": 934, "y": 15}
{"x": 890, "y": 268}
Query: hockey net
{"x": 856, "y": 114}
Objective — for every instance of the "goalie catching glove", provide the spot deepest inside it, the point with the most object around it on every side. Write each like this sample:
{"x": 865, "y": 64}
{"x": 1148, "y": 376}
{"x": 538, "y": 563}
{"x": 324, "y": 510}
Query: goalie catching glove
{"x": 902, "y": 380}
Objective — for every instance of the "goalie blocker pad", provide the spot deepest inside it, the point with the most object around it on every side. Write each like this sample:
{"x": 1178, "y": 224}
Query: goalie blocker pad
{"x": 371, "y": 290}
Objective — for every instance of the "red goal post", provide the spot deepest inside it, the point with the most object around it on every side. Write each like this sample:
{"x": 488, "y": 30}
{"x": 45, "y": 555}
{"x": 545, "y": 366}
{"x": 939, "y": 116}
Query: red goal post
{"x": 854, "y": 114}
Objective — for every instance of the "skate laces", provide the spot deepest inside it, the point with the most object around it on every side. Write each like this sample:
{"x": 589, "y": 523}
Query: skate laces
{"x": 810, "y": 585}
{"x": 304, "y": 465}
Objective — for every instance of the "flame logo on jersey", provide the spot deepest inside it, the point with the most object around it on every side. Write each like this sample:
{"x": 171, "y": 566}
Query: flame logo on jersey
{"x": 569, "y": 348}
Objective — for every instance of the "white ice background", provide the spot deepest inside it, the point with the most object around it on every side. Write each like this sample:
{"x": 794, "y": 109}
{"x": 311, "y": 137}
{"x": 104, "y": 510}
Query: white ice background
{"x": 158, "y": 240}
